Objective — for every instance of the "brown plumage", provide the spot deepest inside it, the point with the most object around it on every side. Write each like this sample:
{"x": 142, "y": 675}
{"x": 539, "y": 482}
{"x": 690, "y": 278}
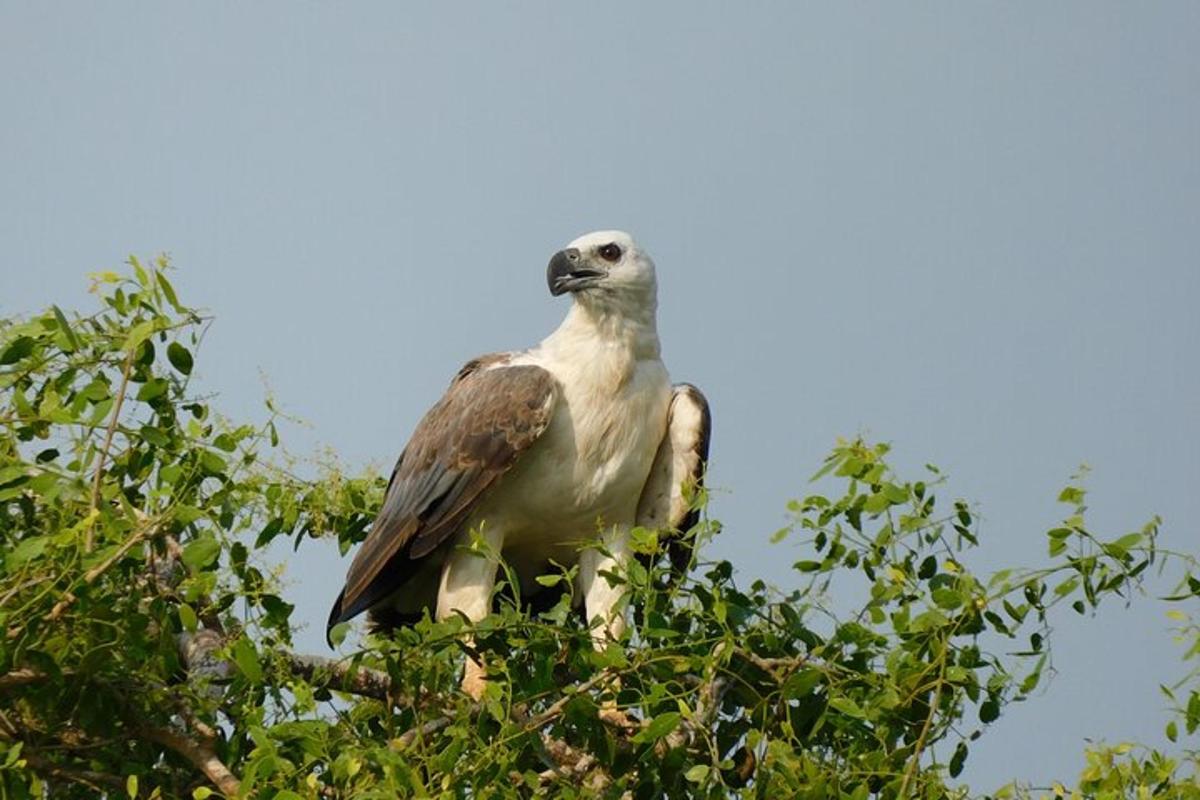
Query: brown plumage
{"x": 468, "y": 439}
{"x": 549, "y": 455}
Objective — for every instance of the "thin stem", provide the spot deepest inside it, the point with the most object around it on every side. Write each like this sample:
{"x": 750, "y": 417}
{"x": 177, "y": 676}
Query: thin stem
{"x": 108, "y": 438}
{"x": 919, "y": 747}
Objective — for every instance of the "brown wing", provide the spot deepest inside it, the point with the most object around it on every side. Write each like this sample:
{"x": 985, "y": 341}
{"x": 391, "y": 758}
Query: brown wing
{"x": 678, "y": 470}
{"x": 490, "y": 414}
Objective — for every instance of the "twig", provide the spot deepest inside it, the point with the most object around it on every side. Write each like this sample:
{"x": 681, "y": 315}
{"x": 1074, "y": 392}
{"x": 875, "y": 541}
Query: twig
{"x": 200, "y": 754}
{"x": 428, "y": 729}
{"x": 140, "y": 534}
{"x": 555, "y": 709}
{"x": 20, "y": 587}
{"x": 919, "y": 747}
{"x": 770, "y": 665}
{"x": 108, "y": 437}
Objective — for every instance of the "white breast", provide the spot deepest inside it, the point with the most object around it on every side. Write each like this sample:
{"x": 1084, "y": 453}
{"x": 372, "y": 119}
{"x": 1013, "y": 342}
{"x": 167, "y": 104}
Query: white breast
{"x": 592, "y": 462}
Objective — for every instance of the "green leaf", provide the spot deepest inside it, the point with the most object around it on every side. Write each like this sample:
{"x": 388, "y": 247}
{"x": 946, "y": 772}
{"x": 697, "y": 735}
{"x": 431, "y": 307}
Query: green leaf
{"x": 26, "y": 550}
{"x": 847, "y": 707}
{"x": 928, "y": 568}
{"x": 659, "y": 727}
{"x": 180, "y": 358}
{"x": 201, "y": 552}
{"x": 801, "y": 684}
{"x": 246, "y": 658}
{"x": 155, "y": 436}
{"x": 139, "y": 271}
{"x": 131, "y": 785}
{"x": 187, "y": 618}
{"x": 65, "y": 326}
{"x": 1066, "y": 587}
{"x": 201, "y": 793}
{"x": 1124, "y": 544}
{"x": 337, "y": 634}
{"x": 152, "y": 389}
{"x": 1072, "y": 495}
{"x": 169, "y": 291}
{"x": 20, "y": 347}
{"x": 989, "y": 711}
{"x": 548, "y": 580}
{"x": 697, "y": 774}
{"x": 138, "y": 334}
{"x": 947, "y": 599}
{"x": 958, "y": 759}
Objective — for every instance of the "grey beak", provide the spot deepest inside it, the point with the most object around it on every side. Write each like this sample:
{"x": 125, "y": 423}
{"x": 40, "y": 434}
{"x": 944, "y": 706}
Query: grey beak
{"x": 566, "y": 272}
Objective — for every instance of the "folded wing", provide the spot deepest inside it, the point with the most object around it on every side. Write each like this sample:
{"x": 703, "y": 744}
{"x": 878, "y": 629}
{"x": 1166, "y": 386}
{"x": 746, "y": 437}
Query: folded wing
{"x": 666, "y": 503}
{"x": 490, "y": 415}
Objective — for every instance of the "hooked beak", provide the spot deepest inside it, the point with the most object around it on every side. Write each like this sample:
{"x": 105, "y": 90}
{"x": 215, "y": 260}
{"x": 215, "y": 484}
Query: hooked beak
{"x": 567, "y": 272}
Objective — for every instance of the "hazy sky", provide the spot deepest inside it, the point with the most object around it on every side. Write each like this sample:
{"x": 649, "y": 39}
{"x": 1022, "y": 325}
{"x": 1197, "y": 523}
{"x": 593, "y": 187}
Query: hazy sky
{"x": 969, "y": 229}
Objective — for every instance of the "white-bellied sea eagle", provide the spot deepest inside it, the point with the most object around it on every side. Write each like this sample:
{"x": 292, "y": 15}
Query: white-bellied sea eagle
{"x": 540, "y": 452}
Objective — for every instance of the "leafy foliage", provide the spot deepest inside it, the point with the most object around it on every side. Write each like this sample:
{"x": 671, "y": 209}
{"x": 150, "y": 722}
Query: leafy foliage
{"x": 147, "y": 651}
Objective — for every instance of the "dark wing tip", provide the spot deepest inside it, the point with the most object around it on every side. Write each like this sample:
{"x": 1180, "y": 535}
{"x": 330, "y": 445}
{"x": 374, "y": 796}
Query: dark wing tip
{"x": 335, "y": 617}
{"x": 679, "y": 547}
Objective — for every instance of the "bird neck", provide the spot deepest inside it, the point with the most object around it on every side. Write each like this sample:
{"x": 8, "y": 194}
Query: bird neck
{"x": 607, "y": 324}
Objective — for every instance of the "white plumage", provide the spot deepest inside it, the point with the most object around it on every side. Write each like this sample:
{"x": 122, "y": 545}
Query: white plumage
{"x": 541, "y": 452}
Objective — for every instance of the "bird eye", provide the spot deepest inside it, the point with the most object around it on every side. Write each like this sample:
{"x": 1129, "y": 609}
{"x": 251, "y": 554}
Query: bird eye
{"x": 610, "y": 252}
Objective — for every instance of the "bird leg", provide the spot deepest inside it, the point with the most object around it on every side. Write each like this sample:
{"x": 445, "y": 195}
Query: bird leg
{"x": 468, "y": 578}
{"x": 605, "y": 599}
{"x": 474, "y": 681}
{"x": 602, "y": 597}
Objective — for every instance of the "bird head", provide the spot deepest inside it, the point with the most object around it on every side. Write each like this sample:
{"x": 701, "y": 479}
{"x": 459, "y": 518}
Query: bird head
{"x": 602, "y": 267}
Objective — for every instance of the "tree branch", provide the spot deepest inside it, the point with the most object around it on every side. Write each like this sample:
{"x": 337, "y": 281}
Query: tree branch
{"x": 341, "y": 675}
{"x": 21, "y": 677}
{"x": 200, "y": 754}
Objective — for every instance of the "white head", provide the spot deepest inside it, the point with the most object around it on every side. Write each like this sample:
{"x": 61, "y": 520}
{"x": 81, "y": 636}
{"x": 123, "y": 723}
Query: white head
{"x": 605, "y": 269}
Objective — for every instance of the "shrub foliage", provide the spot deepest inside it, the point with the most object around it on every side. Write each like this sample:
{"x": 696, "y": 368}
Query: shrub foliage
{"x": 145, "y": 650}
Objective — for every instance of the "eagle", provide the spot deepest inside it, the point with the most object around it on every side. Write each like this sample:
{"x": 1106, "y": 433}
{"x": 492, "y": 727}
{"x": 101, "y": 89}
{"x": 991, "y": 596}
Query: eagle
{"x": 550, "y": 454}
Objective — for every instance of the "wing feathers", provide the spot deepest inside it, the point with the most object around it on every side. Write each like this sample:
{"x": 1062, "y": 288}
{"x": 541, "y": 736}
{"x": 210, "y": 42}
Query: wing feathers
{"x": 678, "y": 470}
{"x": 490, "y": 415}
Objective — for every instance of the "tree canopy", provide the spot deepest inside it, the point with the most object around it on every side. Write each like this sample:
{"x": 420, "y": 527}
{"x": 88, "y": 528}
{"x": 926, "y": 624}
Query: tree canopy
{"x": 146, "y": 651}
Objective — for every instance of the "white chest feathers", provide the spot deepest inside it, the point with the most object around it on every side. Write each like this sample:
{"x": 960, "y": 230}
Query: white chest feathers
{"x": 610, "y": 418}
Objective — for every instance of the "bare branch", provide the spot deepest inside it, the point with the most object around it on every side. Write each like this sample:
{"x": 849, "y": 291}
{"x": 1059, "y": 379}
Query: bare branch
{"x": 341, "y": 675}
{"x": 21, "y": 677}
{"x": 200, "y": 754}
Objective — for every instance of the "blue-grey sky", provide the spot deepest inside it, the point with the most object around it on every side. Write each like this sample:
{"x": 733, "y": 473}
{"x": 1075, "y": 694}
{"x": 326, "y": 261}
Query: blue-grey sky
{"x": 969, "y": 229}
